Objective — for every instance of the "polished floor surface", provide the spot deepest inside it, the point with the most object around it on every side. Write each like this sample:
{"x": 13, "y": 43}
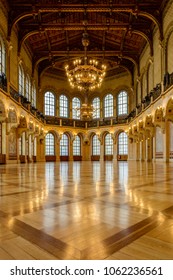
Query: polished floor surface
{"x": 86, "y": 210}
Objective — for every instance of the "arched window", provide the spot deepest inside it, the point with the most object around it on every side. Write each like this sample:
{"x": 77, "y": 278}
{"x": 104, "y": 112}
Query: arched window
{"x": 49, "y": 104}
{"x": 122, "y": 103}
{"x": 50, "y": 145}
{"x": 108, "y": 144}
{"x": 28, "y": 88}
{"x": 63, "y": 106}
{"x": 95, "y": 146}
{"x": 2, "y": 57}
{"x": 21, "y": 80}
{"x": 96, "y": 105}
{"x": 122, "y": 144}
{"x": 64, "y": 143}
{"x": 75, "y": 104}
{"x": 77, "y": 146}
{"x": 33, "y": 97}
{"x": 108, "y": 105}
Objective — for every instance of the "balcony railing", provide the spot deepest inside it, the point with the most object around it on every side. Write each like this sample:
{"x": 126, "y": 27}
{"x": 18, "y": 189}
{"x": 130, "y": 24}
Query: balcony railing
{"x": 26, "y": 104}
{"x": 168, "y": 80}
{"x": 3, "y": 81}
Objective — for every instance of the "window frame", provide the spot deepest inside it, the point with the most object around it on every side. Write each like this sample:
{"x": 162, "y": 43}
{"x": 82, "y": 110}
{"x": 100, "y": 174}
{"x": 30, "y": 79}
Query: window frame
{"x": 63, "y": 110}
{"x": 50, "y": 146}
{"x": 64, "y": 142}
{"x": 21, "y": 81}
{"x": 77, "y": 105}
{"x": 108, "y": 145}
{"x": 108, "y": 106}
{"x": 2, "y": 56}
{"x": 122, "y": 106}
{"x": 77, "y": 146}
{"x": 33, "y": 95}
{"x": 28, "y": 88}
{"x": 49, "y": 103}
{"x": 95, "y": 146}
{"x": 96, "y": 104}
{"x": 123, "y": 149}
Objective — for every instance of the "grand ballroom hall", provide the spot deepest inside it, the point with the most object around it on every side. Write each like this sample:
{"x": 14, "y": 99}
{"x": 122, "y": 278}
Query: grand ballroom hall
{"x": 86, "y": 130}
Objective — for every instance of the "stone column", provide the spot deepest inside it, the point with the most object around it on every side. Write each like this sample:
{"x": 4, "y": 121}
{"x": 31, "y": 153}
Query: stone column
{"x": 41, "y": 149}
{"x": 149, "y": 148}
{"x": 71, "y": 150}
{"x": 29, "y": 149}
{"x": 23, "y": 144}
{"x": 154, "y": 148}
{"x": 166, "y": 141}
{"x": 4, "y": 146}
{"x": 115, "y": 150}
{"x": 57, "y": 149}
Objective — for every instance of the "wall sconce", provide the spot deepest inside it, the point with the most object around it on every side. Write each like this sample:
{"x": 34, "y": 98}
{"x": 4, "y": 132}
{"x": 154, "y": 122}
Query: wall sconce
{"x": 11, "y": 109}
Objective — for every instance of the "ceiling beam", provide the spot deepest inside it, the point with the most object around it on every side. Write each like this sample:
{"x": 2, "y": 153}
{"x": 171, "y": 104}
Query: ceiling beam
{"x": 90, "y": 8}
{"x": 60, "y": 27}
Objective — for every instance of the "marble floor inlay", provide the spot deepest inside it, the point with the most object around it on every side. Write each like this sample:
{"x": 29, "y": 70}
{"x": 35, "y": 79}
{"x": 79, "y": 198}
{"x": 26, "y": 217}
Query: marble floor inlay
{"x": 86, "y": 210}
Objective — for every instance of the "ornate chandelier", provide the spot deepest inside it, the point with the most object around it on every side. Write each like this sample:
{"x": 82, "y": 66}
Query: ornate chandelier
{"x": 86, "y": 112}
{"x": 86, "y": 74}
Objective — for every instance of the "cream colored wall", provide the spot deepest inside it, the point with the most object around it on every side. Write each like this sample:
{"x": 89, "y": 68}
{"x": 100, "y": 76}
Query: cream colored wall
{"x": 158, "y": 77}
{"x": 27, "y": 60}
{"x": 14, "y": 60}
{"x": 144, "y": 58}
{"x": 159, "y": 140}
{"x": 171, "y": 136}
{"x": 168, "y": 16}
{"x": 3, "y": 20}
{"x": 170, "y": 52}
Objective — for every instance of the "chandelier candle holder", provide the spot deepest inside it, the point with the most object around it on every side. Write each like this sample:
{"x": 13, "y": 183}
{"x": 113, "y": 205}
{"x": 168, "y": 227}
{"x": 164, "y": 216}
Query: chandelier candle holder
{"x": 86, "y": 112}
{"x": 85, "y": 74}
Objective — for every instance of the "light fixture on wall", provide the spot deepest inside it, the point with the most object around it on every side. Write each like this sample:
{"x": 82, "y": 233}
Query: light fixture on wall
{"x": 86, "y": 75}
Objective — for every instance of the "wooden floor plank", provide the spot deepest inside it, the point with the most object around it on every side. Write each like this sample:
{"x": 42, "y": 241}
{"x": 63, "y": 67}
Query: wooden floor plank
{"x": 86, "y": 210}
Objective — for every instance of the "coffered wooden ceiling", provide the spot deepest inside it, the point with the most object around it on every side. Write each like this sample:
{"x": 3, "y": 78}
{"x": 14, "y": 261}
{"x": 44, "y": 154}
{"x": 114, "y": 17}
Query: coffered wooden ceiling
{"x": 118, "y": 30}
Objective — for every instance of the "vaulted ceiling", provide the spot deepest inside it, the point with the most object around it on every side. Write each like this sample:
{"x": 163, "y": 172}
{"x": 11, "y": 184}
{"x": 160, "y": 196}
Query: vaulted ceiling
{"x": 118, "y": 30}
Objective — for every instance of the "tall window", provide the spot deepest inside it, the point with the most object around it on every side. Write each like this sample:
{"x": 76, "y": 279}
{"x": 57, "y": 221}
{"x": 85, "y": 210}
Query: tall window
{"x": 50, "y": 145}
{"x": 95, "y": 146}
{"x": 77, "y": 146}
{"x": 21, "y": 80}
{"x": 28, "y": 88}
{"x": 108, "y": 144}
{"x": 122, "y": 144}
{"x": 122, "y": 103}
{"x": 108, "y": 106}
{"x": 75, "y": 104}
{"x": 96, "y": 104}
{"x": 33, "y": 97}
{"x": 2, "y": 57}
{"x": 64, "y": 145}
{"x": 63, "y": 106}
{"x": 49, "y": 104}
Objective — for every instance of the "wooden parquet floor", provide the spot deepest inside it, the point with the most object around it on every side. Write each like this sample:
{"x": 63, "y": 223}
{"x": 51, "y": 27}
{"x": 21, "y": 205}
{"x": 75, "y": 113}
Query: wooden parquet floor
{"x": 86, "y": 210}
